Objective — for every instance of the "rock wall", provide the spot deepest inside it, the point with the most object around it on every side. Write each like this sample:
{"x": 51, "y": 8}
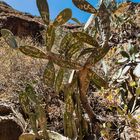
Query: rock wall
{"x": 21, "y": 24}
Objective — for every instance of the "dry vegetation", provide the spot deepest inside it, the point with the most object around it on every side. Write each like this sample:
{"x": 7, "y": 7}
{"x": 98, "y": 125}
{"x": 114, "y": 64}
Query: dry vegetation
{"x": 113, "y": 106}
{"x": 17, "y": 70}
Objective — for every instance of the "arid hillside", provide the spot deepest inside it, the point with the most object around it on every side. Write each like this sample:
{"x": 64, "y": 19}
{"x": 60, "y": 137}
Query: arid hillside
{"x": 118, "y": 107}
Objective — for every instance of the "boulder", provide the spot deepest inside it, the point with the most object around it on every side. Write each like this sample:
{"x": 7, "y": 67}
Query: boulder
{"x": 12, "y": 123}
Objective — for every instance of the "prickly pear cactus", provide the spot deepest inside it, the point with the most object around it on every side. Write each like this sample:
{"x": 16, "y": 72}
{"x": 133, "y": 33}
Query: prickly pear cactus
{"x": 72, "y": 48}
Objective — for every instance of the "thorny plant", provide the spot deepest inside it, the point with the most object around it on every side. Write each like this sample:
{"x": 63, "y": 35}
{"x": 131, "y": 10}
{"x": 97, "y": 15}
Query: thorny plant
{"x": 69, "y": 60}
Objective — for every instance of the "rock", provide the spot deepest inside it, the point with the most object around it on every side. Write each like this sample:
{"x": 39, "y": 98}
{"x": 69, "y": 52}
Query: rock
{"x": 11, "y": 123}
{"x": 21, "y": 24}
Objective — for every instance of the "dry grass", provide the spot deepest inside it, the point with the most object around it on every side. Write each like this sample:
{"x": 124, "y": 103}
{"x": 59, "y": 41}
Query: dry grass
{"x": 16, "y": 69}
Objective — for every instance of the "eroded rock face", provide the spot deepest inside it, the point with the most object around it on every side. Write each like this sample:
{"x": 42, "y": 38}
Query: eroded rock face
{"x": 11, "y": 122}
{"x": 19, "y": 23}
{"x": 24, "y": 24}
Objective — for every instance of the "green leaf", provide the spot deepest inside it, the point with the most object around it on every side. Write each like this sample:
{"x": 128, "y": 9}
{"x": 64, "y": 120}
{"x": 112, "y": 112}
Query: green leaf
{"x": 42, "y": 120}
{"x": 83, "y": 37}
{"x": 9, "y": 38}
{"x": 125, "y": 54}
{"x": 138, "y": 91}
{"x": 120, "y": 111}
{"x": 50, "y": 37}
{"x": 59, "y": 79}
{"x": 104, "y": 22}
{"x": 44, "y": 10}
{"x": 86, "y": 51}
{"x": 74, "y": 48}
{"x": 69, "y": 123}
{"x": 76, "y": 20}
{"x": 98, "y": 80}
{"x": 62, "y": 17}
{"x": 24, "y": 101}
{"x": 69, "y": 46}
{"x": 98, "y": 54}
{"x": 66, "y": 64}
{"x": 33, "y": 122}
{"x": 133, "y": 49}
{"x": 33, "y": 52}
{"x": 132, "y": 84}
{"x": 49, "y": 74}
{"x": 65, "y": 42}
{"x": 85, "y": 6}
{"x": 31, "y": 93}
